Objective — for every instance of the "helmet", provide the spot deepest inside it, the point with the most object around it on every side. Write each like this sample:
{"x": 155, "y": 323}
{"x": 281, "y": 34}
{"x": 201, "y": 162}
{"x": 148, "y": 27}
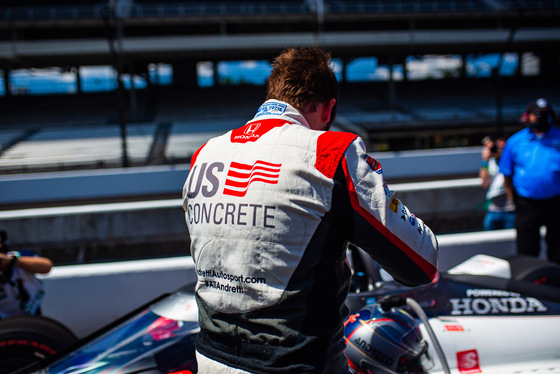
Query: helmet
{"x": 384, "y": 342}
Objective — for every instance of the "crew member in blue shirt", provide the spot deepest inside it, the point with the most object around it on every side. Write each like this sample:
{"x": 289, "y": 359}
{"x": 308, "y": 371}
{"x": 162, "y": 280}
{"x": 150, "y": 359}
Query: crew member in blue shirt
{"x": 530, "y": 163}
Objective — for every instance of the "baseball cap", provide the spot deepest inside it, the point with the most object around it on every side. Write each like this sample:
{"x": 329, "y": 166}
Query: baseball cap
{"x": 538, "y": 106}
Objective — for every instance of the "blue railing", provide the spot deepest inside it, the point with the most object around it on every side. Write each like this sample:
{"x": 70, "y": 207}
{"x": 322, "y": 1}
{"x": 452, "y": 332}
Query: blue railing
{"x": 260, "y": 8}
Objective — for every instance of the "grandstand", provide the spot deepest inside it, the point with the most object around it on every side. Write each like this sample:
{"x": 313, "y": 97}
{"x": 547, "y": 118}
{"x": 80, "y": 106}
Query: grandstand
{"x": 396, "y": 113}
{"x": 64, "y": 133}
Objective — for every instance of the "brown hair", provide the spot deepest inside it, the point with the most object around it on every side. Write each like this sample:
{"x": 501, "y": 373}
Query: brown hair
{"x": 301, "y": 76}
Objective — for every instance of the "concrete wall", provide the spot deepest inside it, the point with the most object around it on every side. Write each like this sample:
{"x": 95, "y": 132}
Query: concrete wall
{"x": 90, "y": 296}
{"x": 85, "y": 232}
{"x": 76, "y": 186}
{"x": 86, "y": 225}
{"x": 148, "y": 222}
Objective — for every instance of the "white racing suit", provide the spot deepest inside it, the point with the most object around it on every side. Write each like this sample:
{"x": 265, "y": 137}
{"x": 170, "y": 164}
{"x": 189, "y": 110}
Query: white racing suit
{"x": 270, "y": 208}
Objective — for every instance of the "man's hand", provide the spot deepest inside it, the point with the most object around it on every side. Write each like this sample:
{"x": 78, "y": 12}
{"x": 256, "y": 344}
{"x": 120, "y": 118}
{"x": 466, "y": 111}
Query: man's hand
{"x": 4, "y": 258}
{"x": 508, "y": 185}
{"x": 486, "y": 153}
{"x": 4, "y": 262}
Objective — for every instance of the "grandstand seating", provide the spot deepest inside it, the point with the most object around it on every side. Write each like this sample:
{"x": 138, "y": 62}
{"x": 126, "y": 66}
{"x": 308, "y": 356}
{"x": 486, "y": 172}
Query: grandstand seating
{"x": 60, "y": 9}
{"x": 401, "y": 116}
{"x": 30, "y": 140}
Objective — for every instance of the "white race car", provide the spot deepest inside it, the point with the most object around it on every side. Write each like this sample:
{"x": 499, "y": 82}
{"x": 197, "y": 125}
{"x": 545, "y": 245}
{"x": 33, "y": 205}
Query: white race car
{"x": 487, "y": 315}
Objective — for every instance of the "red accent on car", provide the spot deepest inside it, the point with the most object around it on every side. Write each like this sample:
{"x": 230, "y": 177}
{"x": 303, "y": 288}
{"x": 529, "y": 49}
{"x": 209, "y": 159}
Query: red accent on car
{"x": 467, "y": 362}
{"x": 163, "y": 328}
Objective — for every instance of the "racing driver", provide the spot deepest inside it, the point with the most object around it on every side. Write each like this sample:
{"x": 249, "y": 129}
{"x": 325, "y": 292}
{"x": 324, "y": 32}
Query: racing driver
{"x": 270, "y": 208}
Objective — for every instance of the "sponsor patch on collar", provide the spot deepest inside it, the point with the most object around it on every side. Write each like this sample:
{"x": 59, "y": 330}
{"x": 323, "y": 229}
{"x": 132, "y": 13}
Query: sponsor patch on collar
{"x": 271, "y": 109}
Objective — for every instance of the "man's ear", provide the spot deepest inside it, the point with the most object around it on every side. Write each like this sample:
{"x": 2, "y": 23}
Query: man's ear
{"x": 327, "y": 111}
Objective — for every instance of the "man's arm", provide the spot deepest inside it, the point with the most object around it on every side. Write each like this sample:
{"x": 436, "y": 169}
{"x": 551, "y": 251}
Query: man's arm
{"x": 32, "y": 264}
{"x": 485, "y": 177}
{"x": 507, "y": 168}
{"x": 384, "y": 227}
{"x": 484, "y": 173}
{"x": 508, "y": 185}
